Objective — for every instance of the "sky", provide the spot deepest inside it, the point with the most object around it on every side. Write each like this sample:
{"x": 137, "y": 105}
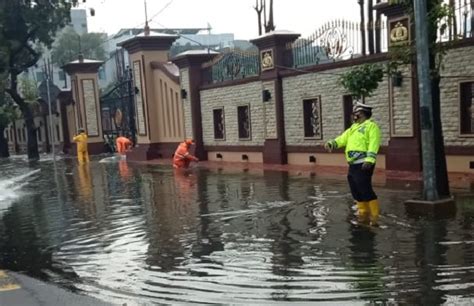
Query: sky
{"x": 224, "y": 16}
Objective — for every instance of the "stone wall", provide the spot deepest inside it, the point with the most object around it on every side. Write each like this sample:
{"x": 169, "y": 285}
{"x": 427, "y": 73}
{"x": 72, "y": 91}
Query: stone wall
{"x": 326, "y": 86}
{"x": 229, "y": 98}
{"x": 401, "y": 107}
{"x": 458, "y": 68}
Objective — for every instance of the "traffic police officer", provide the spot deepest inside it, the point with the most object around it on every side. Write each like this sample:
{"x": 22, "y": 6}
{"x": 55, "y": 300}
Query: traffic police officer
{"x": 361, "y": 142}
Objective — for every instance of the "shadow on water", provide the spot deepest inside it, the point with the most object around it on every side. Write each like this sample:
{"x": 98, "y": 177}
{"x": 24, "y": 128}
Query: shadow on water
{"x": 150, "y": 234}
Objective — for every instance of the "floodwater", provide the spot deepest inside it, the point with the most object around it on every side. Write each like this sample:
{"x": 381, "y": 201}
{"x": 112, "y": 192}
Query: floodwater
{"x": 145, "y": 235}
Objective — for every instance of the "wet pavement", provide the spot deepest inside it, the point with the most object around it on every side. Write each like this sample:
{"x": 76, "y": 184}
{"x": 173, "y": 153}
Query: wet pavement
{"x": 146, "y": 234}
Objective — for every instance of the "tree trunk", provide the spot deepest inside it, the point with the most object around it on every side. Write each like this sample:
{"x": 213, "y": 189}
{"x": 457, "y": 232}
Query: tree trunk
{"x": 362, "y": 26}
{"x": 472, "y": 18}
{"x": 370, "y": 19}
{"x": 32, "y": 141}
{"x": 378, "y": 31}
{"x": 442, "y": 182}
{"x": 3, "y": 144}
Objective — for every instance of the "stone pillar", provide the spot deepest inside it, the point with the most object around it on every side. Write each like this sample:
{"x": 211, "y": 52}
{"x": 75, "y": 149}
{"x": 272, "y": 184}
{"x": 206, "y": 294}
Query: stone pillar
{"x": 273, "y": 58}
{"x": 85, "y": 93}
{"x": 189, "y": 64}
{"x": 404, "y": 147}
{"x": 143, "y": 50}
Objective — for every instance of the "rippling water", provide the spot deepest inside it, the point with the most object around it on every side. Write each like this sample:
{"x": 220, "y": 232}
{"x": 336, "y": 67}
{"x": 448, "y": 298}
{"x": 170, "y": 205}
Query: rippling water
{"x": 145, "y": 234}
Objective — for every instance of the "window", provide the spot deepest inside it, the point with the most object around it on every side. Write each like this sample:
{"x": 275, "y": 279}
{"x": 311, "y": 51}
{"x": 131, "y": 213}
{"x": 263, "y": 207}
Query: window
{"x": 40, "y": 136}
{"x": 312, "y": 118}
{"x": 61, "y": 75}
{"x": 467, "y": 108}
{"x": 243, "y": 119}
{"x": 58, "y": 134}
{"x": 347, "y": 107}
{"x": 218, "y": 123}
{"x": 39, "y": 76}
{"x": 101, "y": 73}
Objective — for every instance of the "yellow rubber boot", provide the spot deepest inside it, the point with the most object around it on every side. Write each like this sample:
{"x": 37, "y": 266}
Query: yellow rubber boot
{"x": 374, "y": 211}
{"x": 363, "y": 208}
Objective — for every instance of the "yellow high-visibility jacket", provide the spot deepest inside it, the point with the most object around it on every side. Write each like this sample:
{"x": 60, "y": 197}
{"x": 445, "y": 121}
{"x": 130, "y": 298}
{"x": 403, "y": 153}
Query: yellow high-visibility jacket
{"x": 81, "y": 141}
{"x": 362, "y": 142}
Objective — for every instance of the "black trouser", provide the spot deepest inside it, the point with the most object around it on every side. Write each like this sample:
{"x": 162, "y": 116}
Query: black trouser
{"x": 360, "y": 182}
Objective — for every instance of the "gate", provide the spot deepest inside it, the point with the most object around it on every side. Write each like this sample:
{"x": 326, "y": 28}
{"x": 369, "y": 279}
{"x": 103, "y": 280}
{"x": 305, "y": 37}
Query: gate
{"x": 118, "y": 111}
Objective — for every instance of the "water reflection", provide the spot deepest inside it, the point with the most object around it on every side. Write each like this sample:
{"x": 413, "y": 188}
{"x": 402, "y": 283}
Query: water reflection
{"x": 145, "y": 234}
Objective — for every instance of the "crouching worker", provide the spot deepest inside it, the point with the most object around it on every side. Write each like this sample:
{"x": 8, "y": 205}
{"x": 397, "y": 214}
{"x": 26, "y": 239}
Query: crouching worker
{"x": 123, "y": 144}
{"x": 81, "y": 143}
{"x": 182, "y": 158}
{"x": 361, "y": 142}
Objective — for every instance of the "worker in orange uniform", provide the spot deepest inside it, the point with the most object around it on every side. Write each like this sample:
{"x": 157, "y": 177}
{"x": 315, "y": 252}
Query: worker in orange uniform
{"x": 81, "y": 143}
{"x": 182, "y": 158}
{"x": 123, "y": 144}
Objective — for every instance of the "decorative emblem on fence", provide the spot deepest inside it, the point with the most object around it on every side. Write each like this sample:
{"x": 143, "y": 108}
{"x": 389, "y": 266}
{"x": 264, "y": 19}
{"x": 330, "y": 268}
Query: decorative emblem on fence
{"x": 266, "y": 58}
{"x": 335, "y": 40}
{"x": 399, "y": 31}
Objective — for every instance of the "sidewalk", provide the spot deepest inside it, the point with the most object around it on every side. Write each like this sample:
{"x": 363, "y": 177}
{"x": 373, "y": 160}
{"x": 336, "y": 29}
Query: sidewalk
{"x": 381, "y": 176}
{"x": 21, "y": 290}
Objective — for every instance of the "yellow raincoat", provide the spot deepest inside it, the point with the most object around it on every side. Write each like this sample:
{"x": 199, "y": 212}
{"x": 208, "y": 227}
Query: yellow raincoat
{"x": 82, "y": 153}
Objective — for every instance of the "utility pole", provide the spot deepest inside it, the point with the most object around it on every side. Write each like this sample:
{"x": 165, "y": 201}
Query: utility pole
{"x": 430, "y": 192}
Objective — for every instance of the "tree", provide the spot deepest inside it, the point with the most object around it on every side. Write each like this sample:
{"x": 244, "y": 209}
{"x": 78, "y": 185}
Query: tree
{"x": 261, "y": 7}
{"x": 8, "y": 114}
{"x": 26, "y": 24}
{"x": 363, "y": 80}
{"x": 70, "y": 44}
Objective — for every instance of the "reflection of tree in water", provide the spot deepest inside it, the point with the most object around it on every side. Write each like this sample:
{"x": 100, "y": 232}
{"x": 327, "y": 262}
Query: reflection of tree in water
{"x": 27, "y": 244}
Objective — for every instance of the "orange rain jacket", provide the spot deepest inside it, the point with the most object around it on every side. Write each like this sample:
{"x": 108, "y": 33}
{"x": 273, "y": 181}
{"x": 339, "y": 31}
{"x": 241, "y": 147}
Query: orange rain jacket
{"x": 123, "y": 143}
{"x": 182, "y": 158}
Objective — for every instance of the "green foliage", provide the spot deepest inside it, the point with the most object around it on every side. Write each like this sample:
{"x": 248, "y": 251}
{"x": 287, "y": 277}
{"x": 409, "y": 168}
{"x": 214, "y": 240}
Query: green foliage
{"x": 8, "y": 112}
{"x": 363, "y": 80}
{"x": 29, "y": 90}
{"x": 70, "y": 44}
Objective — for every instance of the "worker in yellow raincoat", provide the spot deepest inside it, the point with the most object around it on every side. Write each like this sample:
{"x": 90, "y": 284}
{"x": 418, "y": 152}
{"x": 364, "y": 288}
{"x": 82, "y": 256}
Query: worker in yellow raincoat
{"x": 81, "y": 143}
{"x": 361, "y": 142}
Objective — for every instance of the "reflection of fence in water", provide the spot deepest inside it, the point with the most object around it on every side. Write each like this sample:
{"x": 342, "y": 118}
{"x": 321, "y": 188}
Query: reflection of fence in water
{"x": 232, "y": 65}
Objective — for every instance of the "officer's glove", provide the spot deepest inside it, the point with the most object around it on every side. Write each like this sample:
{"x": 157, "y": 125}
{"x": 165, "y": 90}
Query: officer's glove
{"x": 330, "y": 145}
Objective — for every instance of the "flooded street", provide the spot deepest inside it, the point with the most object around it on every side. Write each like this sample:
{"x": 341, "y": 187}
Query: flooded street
{"x": 141, "y": 235}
